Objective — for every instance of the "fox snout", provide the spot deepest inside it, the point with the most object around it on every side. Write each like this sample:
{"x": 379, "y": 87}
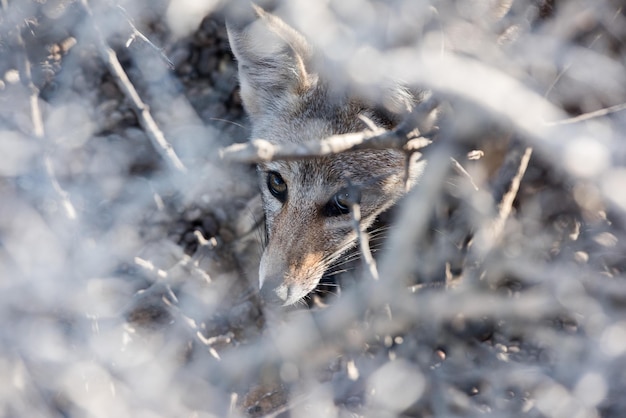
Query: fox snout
{"x": 300, "y": 249}
{"x": 285, "y": 281}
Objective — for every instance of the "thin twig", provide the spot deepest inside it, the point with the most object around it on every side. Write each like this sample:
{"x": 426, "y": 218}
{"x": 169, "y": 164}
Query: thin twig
{"x": 462, "y": 171}
{"x": 506, "y": 204}
{"x": 591, "y": 115}
{"x": 491, "y": 234}
{"x": 260, "y": 150}
{"x": 409, "y": 136}
{"x": 141, "y": 109}
{"x": 136, "y": 35}
{"x": 64, "y": 196}
{"x": 39, "y": 131}
{"x": 407, "y": 171}
{"x": 361, "y": 235}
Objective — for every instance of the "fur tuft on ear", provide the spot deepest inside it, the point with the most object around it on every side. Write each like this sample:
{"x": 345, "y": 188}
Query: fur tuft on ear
{"x": 274, "y": 62}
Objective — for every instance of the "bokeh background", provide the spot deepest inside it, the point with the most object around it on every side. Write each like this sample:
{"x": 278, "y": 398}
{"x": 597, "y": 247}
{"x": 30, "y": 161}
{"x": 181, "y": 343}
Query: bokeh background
{"x": 128, "y": 273}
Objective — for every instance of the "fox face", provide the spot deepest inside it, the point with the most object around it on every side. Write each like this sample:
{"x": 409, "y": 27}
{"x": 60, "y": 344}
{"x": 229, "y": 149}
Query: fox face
{"x": 307, "y": 216}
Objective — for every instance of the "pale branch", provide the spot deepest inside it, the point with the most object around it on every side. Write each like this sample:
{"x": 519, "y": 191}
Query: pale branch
{"x": 140, "y": 108}
{"x": 260, "y": 150}
{"x": 39, "y": 131}
{"x": 505, "y": 192}
{"x": 68, "y": 206}
{"x": 362, "y": 236}
{"x": 506, "y": 204}
{"x": 407, "y": 172}
{"x": 413, "y": 134}
{"x": 463, "y": 172}
{"x": 136, "y": 37}
{"x": 590, "y": 115}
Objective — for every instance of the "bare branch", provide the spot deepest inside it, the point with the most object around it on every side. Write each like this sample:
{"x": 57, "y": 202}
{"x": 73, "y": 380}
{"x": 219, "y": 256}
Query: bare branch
{"x": 511, "y": 175}
{"x": 362, "y": 236}
{"x": 39, "y": 131}
{"x": 260, "y": 150}
{"x": 591, "y": 115}
{"x": 506, "y": 204}
{"x": 141, "y": 109}
{"x": 462, "y": 171}
{"x": 136, "y": 37}
{"x": 414, "y": 133}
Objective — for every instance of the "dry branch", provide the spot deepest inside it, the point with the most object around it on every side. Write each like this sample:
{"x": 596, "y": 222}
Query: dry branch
{"x": 414, "y": 133}
{"x": 126, "y": 86}
{"x": 590, "y": 115}
{"x": 506, "y": 204}
{"x": 39, "y": 131}
{"x": 362, "y": 236}
{"x": 260, "y": 150}
{"x": 136, "y": 37}
{"x": 505, "y": 192}
{"x": 463, "y": 172}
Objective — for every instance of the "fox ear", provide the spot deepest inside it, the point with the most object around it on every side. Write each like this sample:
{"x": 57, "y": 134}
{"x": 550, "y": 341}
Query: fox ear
{"x": 273, "y": 59}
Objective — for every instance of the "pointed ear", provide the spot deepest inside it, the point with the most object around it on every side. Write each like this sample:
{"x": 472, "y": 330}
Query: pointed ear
{"x": 273, "y": 63}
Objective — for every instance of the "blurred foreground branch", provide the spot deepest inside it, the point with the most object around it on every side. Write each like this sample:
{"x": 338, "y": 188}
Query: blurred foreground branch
{"x": 38, "y": 127}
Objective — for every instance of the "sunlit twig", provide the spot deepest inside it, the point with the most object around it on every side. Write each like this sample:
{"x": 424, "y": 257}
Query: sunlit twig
{"x": 141, "y": 109}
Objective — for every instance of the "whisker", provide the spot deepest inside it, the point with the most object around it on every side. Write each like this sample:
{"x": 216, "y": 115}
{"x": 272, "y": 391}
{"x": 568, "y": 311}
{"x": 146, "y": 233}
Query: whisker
{"x": 379, "y": 237}
{"x": 334, "y": 273}
{"x": 347, "y": 258}
{"x": 343, "y": 262}
{"x": 326, "y": 293}
{"x": 232, "y": 123}
{"x": 379, "y": 245}
{"x": 304, "y": 302}
{"x": 378, "y": 233}
{"x": 340, "y": 263}
{"x": 382, "y": 228}
{"x": 330, "y": 285}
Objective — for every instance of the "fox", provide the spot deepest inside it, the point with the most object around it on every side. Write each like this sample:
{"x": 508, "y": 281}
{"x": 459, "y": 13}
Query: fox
{"x": 290, "y": 98}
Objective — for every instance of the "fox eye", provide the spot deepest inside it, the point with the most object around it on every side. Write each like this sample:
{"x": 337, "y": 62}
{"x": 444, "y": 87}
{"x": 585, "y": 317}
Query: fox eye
{"x": 341, "y": 202}
{"x": 277, "y": 186}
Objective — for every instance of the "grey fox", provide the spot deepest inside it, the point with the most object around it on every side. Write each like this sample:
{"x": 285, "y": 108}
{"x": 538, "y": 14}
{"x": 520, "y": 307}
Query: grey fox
{"x": 289, "y": 99}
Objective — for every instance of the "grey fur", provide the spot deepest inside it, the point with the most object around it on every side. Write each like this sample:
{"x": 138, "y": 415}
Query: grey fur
{"x": 288, "y": 101}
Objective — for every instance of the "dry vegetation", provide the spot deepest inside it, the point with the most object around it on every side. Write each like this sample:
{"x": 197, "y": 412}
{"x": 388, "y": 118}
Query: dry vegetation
{"x": 130, "y": 226}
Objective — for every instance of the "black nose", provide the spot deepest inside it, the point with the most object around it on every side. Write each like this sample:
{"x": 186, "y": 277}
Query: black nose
{"x": 274, "y": 292}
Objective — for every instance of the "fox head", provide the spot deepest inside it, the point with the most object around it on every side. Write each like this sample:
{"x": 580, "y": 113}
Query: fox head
{"x": 307, "y": 216}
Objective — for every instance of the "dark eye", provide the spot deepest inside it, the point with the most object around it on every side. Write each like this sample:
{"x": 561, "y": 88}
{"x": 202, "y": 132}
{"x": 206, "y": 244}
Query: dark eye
{"x": 340, "y": 203}
{"x": 277, "y": 186}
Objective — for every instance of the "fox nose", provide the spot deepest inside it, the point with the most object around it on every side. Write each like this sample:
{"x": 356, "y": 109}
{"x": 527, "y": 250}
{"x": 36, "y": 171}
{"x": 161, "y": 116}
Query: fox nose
{"x": 274, "y": 292}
